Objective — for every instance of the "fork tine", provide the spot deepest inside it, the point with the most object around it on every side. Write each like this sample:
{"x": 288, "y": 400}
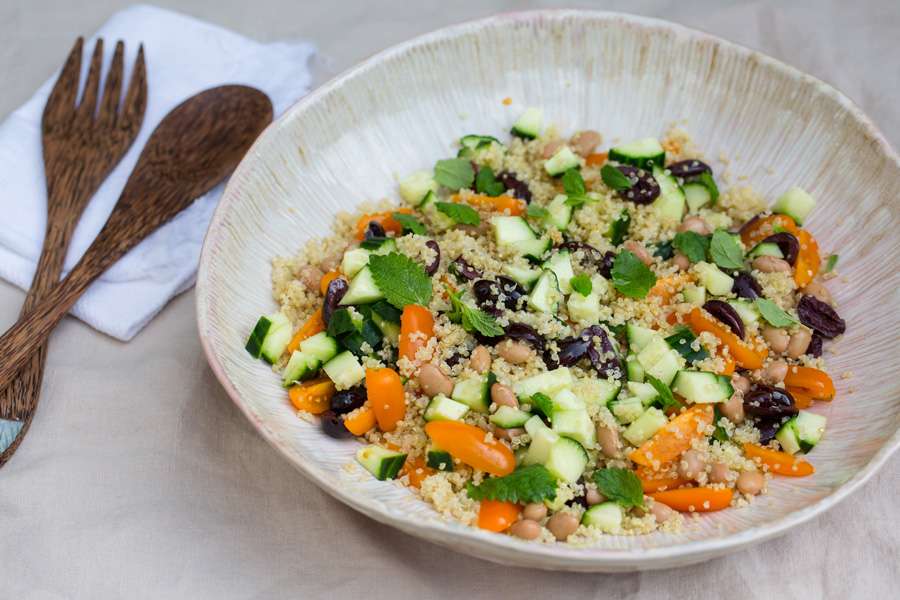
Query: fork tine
{"x": 62, "y": 96}
{"x": 112, "y": 89}
{"x": 88, "y": 105}
{"x": 136, "y": 97}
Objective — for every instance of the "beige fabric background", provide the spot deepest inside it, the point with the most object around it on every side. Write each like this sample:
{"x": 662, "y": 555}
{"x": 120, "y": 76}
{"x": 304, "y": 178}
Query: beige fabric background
{"x": 140, "y": 479}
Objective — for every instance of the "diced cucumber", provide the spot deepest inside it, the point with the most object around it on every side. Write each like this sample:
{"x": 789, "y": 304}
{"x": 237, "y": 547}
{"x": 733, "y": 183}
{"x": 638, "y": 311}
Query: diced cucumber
{"x": 475, "y": 392}
{"x": 577, "y": 425}
{"x": 362, "y": 290}
{"x": 567, "y": 460}
{"x": 643, "y": 428}
{"x": 694, "y": 294}
{"x": 607, "y": 517}
{"x": 475, "y": 146}
{"x": 547, "y": 383}
{"x": 439, "y": 460}
{"x": 562, "y": 161}
{"x": 559, "y": 214}
{"x": 415, "y": 187}
{"x": 300, "y": 366}
{"x": 545, "y": 296}
{"x": 801, "y": 432}
{"x": 765, "y": 249}
{"x": 542, "y": 441}
{"x": 511, "y": 232}
{"x": 529, "y": 124}
{"x": 389, "y": 329}
{"x": 438, "y": 220}
{"x": 701, "y": 387}
{"x": 627, "y": 410}
{"x": 270, "y": 337}
{"x": 638, "y": 337}
{"x": 533, "y": 424}
{"x": 565, "y": 399}
{"x": 597, "y": 391}
{"x": 442, "y": 408}
{"x": 353, "y": 261}
{"x": 643, "y": 391}
{"x": 320, "y": 346}
{"x": 746, "y": 310}
{"x": 380, "y": 462}
{"x": 561, "y": 265}
{"x": 534, "y": 249}
{"x": 508, "y": 417}
{"x": 385, "y": 246}
{"x": 524, "y": 276}
{"x": 697, "y": 195}
{"x": 659, "y": 360}
{"x": 584, "y": 309}
{"x": 644, "y": 153}
{"x": 714, "y": 280}
{"x": 344, "y": 370}
{"x": 634, "y": 368}
{"x": 669, "y": 205}
{"x": 795, "y": 203}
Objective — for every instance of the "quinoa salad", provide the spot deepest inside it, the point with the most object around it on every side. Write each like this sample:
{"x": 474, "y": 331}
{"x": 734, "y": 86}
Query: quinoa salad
{"x": 557, "y": 340}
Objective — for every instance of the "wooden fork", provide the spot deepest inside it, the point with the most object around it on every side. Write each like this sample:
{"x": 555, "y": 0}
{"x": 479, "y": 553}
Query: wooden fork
{"x": 82, "y": 142}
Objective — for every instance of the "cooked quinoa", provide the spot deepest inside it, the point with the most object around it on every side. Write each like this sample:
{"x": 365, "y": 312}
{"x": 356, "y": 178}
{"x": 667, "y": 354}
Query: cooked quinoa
{"x": 558, "y": 343}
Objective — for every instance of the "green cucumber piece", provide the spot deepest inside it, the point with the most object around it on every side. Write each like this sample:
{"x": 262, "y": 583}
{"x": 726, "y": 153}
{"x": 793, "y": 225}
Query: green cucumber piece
{"x": 644, "y": 153}
{"x": 529, "y": 124}
{"x": 607, "y": 517}
{"x": 380, "y": 462}
{"x": 362, "y": 289}
{"x": 344, "y": 370}
{"x": 442, "y": 408}
{"x": 643, "y": 428}
{"x": 795, "y": 203}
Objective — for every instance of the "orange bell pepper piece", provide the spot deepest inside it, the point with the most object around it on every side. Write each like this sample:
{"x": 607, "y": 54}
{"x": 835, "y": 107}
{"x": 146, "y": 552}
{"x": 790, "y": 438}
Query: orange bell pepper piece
{"x": 467, "y": 443}
{"x": 385, "y": 219}
{"x": 313, "y": 396}
{"x": 654, "y": 481}
{"x": 673, "y": 438}
{"x": 314, "y": 324}
{"x": 597, "y": 159}
{"x": 416, "y": 328}
{"x": 699, "y": 499}
{"x": 810, "y": 382}
{"x": 501, "y": 204}
{"x": 386, "y": 397}
{"x": 360, "y": 421}
{"x": 416, "y": 470}
{"x": 781, "y": 463}
{"x": 496, "y": 515}
{"x": 765, "y": 226}
{"x": 744, "y": 355}
{"x": 328, "y": 278}
{"x": 666, "y": 287}
{"x": 806, "y": 267}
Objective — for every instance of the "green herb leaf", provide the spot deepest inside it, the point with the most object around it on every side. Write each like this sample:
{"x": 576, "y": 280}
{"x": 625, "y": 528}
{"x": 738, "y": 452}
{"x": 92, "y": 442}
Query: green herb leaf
{"x": 454, "y": 173}
{"x": 691, "y": 244}
{"x": 486, "y": 183}
{"x": 632, "y": 277}
{"x": 402, "y": 280}
{"x": 725, "y": 251}
{"x": 620, "y": 485}
{"x": 773, "y": 314}
{"x": 832, "y": 263}
{"x": 664, "y": 250}
{"x": 682, "y": 342}
{"x": 618, "y": 229}
{"x": 543, "y": 403}
{"x": 373, "y": 243}
{"x": 533, "y": 483}
{"x": 472, "y": 319}
{"x": 710, "y": 184}
{"x": 582, "y": 284}
{"x": 666, "y": 399}
{"x": 615, "y": 178}
{"x": 719, "y": 434}
{"x": 573, "y": 183}
{"x": 460, "y": 213}
{"x": 536, "y": 212}
{"x": 409, "y": 223}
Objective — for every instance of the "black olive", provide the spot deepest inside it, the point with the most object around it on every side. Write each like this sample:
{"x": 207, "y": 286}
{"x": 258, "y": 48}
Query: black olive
{"x": 745, "y": 286}
{"x": 432, "y": 267}
{"x": 769, "y": 401}
{"x": 519, "y": 188}
{"x": 767, "y": 429}
{"x": 725, "y": 313}
{"x": 787, "y": 243}
{"x": 571, "y": 350}
{"x": 333, "y": 294}
{"x": 644, "y": 188}
{"x": 525, "y": 333}
{"x": 749, "y": 224}
{"x": 689, "y": 168}
{"x": 820, "y": 316}
{"x": 374, "y": 230}
{"x": 606, "y": 265}
{"x": 513, "y": 292}
{"x": 333, "y": 426}
{"x": 486, "y": 293}
{"x": 815, "y": 345}
{"x": 463, "y": 270}
{"x": 603, "y": 356}
{"x": 346, "y": 400}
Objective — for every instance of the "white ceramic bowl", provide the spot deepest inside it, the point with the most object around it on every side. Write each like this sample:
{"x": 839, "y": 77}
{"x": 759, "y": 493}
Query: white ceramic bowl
{"x": 627, "y": 77}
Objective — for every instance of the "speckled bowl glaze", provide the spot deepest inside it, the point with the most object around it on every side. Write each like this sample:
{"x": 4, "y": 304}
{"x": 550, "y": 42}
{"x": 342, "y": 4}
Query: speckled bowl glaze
{"x": 627, "y": 77}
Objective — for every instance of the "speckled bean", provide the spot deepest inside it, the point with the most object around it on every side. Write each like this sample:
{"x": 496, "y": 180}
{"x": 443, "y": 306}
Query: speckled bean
{"x": 562, "y": 525}
{"x": 504, "y": 396}
{"x": 777, "y": 339}
{"x": 682, "y": 262}
{"x": 585, "y": 142}
{"x": 311, "y": 276}
{"x": 662, "y": 512}
{"x": 733, "y": 408}
{"x": 433, "y": 381}
{"x": 817, "y": 289}
{"x": 480, "y": 360}
{"x": 526, "y": 529}
{"x": 695, "y": 224}
{"x": 751, "y": 482}
{"x": 799, "y": 343}
{"x": 719, "y": 473}
{"x": 608, "y": 437}
{"x": 775, "y": 372}
{"x": 771, "y": 264}
{"x": 515, "y": 353}
{"x": 638, "y": 250}
{"x": 551, "y": 147}
{"x": 692, "y": 465}
{"x": 535, "y": 511}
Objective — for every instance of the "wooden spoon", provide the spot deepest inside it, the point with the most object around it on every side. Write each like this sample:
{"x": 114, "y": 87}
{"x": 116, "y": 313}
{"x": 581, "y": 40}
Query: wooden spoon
{"x": 192, "y": 149}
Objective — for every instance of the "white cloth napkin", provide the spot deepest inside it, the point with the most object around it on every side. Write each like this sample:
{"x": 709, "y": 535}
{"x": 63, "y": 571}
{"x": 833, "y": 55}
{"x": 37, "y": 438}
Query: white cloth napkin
{"x": 184, "y": 56}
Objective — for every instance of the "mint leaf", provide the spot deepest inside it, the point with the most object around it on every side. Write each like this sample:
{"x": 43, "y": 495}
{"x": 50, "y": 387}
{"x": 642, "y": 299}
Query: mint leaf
{"x": 454, "y": 173}
{"x": 536, "y": 212}
{"x": 543, "y": 403}
{"x": 573, "y": 183}
{"x": 831, "y": 264}
{"x": 462, "y": 214}
{"x": 666, "y": 399}
{"x": 409, "y": 223}
{"x": 773, "y": 314}
{"x": 533, "y": 483}
{"x": 615, "y": 178}
{"x": 402, "y": 280}
{"x": 631, "y": 277}
{"x": 618, "y": 229}
{"x": 472, "y": 319}
{"x": 620, "y": 485}
{"x": 582, "y": 284}
{"x": 725, "y": 251}
{"x": 486, "y": 183}
{"x": 693, "y": 245}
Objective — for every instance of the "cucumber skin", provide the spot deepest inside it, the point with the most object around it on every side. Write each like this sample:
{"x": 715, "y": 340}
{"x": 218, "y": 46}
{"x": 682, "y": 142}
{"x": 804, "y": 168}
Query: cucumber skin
{"x": 258, "y": 336}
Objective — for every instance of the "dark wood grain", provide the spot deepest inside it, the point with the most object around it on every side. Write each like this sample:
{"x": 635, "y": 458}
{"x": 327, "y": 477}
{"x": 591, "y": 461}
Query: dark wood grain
{"x": 82, "y": 142}
{"x": 194, "y": 147}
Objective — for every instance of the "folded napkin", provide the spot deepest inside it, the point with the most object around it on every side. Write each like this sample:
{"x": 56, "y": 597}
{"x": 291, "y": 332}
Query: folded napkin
{"x": 184, "y": 56}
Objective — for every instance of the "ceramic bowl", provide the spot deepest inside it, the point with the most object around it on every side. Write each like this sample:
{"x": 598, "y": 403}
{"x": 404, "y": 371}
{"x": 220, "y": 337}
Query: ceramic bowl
{"x": 627, "y": 77}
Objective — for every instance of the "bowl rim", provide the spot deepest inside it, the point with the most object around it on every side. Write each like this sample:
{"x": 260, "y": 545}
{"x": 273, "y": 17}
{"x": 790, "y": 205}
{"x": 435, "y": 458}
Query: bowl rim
{"x": 551, "y": 556}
